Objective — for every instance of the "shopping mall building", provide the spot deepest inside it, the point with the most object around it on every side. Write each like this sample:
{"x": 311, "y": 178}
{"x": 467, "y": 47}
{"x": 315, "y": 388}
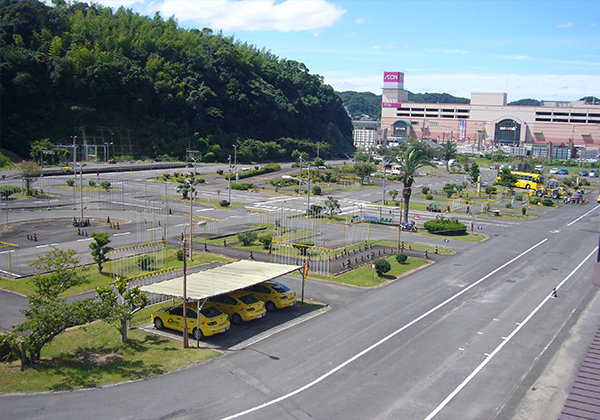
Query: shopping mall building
{"x": 488, "y": 121}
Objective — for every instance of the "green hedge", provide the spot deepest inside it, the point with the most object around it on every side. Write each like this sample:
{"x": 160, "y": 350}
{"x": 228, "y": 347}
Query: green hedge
{"x": 271, "y": 167}
{"x": 242, "y": 186}
{"x": 450, "y": 227}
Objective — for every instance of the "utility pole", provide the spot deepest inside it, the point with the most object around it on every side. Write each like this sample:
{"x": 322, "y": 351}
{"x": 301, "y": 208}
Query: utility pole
{"x": 383, "y": 195}
{"x": 229, "y": 184}
{"x": 300, "y": 177}
{"x": 308, "y": 192}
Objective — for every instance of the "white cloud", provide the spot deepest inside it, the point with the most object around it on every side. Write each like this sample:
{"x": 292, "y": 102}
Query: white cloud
{"x": 376, "y": 47}
{"x": 254, "y": 15}
{"x": 593, "y": 24}
{"x": 565, "y": 25}
{"x": 360, "y": 21}
{"x": 389, "y": 47}
{"x": 462, "y": 52}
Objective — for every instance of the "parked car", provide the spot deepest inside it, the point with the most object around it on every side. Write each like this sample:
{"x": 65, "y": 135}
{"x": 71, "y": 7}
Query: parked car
{"x": 553, "y": 171}
{"x": 539, "y": 168}
{"x": 240, "y": 305}
{"x": 584, "y": 173}
{"x": 599, "y": 199}
{"x": 212, "y": 320}
{"x": 563, "y": 171}
{"x": 594, "y": 173}
{"x": 274, "y": 294}
{"x": 494, "y": 166}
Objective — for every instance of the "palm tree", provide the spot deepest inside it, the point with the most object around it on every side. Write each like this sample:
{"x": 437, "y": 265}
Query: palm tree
{"x": 412, "y": 159}
{"x": 448, "y": 152}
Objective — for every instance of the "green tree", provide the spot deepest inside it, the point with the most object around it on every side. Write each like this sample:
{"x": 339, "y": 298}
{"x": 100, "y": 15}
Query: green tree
{"x": 363, "y": 170}
{"x": 449, "y": 151}
{"x": 100, "y": 248}
{"x": 119, "y": 303}
{"x": 382, "y": 266}
{"x": 29, "y": 171}
{"x": 474, "y": 173}
{"x": 247, "y": 238}
{"x": 315, "y": 210}
{"x": 393, "y": 194}
{"x": 507, "y": 179}
{"x": 48, "y": 314}
{"x": 401, "y": 257}
{"x": 332, "y": 205}
{"x": 412, "y": 159}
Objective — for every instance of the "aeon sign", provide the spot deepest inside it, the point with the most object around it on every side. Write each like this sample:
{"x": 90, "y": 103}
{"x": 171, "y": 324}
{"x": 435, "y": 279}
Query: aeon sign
{"x": 393, "y": 80}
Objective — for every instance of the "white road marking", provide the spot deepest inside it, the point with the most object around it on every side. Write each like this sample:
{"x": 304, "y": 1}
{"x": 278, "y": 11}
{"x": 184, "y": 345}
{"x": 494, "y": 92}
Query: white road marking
{"x": 86, "y": 239}
{"x": 121, "y": 234}
{"x": 380, "y": 342}
{"x": 581, "y": 217}
{"x": 506, "y": 340}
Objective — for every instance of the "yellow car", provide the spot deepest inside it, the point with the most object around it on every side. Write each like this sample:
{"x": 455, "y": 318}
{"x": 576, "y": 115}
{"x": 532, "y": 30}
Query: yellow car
{"x": 240, "y": 305}
{"x": 599, "y": 199}
{"x": 212, "y": 320}
{"x": 275, "y": 295}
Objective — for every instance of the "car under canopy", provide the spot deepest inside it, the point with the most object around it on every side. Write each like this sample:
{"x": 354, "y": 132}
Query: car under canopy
{"x": 222, "y": 279}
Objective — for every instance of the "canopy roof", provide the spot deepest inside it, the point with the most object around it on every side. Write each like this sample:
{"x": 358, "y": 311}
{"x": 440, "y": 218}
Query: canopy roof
{"x": 223, "y": 279}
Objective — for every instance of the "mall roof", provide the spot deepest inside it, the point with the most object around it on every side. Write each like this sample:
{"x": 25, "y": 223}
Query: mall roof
{"x": 223, "y": 279}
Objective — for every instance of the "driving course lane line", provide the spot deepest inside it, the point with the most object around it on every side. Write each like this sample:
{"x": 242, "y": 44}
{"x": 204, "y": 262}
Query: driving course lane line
{"x": 380, "y": 342}
{"x": 504, "y": 342}
{"x": 581, "y": 217}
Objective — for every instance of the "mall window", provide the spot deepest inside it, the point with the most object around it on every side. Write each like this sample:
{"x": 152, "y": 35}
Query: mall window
{"x": 507, "y": 132}
{"x": 401, "y": 129}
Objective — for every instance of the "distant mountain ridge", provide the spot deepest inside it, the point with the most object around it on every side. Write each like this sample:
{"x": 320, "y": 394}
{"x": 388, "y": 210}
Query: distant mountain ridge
{"x": 367, "y": 103}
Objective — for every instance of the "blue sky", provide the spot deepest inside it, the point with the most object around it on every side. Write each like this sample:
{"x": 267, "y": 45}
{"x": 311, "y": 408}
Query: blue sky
{"x": 529, "y": 49}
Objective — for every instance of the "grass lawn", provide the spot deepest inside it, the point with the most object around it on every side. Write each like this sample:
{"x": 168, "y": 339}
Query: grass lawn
{"x": 366, "y": 277}
{"x": 25, "y": 286}
{"x": 91, "y": 356}
{"x": 95, "y": 356}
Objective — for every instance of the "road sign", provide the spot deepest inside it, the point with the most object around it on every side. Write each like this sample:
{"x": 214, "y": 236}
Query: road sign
{"x": 446, "y": 240}
{"x": 416, "y": 217}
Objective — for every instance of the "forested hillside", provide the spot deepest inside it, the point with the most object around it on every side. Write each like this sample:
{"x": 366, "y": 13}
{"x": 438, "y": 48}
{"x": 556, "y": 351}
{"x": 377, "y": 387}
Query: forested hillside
{"x": 72, "y": 68}
{"x": 361, "y": 103}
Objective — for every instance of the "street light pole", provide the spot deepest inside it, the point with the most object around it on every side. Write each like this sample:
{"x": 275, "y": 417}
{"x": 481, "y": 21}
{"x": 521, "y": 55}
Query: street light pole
{"x": 185, "y": 329}
{"x": 229, "y": 179}
{"x": 383, "y": 195}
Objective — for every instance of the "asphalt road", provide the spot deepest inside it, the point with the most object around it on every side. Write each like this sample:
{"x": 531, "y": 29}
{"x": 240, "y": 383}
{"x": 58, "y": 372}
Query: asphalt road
{"x": 468, "y": 337}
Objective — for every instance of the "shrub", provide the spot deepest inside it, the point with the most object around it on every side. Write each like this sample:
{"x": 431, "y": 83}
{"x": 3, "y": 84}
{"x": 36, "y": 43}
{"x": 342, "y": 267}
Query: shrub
{"x": 242, "y": 186}
{"x": 524, "y": 211}
{"x": 266, "y": 241}
{"x": 219, "y": 171}
{"x": 92, "y": 183}
{"x": 224, "y": 203}
{"x": 145, "y": 262}
{"x": 105, "y": 185}
{"x": 490, "y": 190}
{"x": 246, "y": 238}
{"x": 401, "y": 257}
{"x": 382, "y": 266}
{"x": 519, "y": 197}
{"x": 425, "y": 190}
{"x": 547, "y": 202}
{"x": 166, "y": 176}
{"x": 179, "y": 254}
{"x": 176, "y": 174}
{"x": 535, "y": 200}
{"x": 429, "y": 196}
{"x": 316, "y": 190}
{"x": 450, "y": 227}
{"x": 70, "y": 182}
{"x": 508, "y": 205}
